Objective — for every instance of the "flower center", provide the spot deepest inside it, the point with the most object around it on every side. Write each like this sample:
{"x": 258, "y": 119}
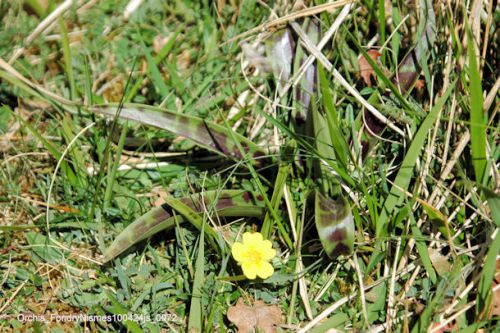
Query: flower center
{"x": 254, "y": 256}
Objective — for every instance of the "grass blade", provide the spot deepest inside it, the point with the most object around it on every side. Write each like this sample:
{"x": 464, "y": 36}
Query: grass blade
{"x": 487, "y": 275}
{"x": 494, "y": 203}
{"x": 279, "y": 186}
{"x": 118, "y": 308}
{"x": 159, "y": 57}
{"x": 404, "y": 176}
{"x": 67, "y": 58}
{"x": 337, "y": 138}
{"x": 422, "y": 250}
{"x": 308, "y": 147}
{"x": 114, "y": 167}
{"x": 191, "y": 216}
{"x": 53, "y": 150}
{"x": 153, "y": 70}
{"x": 195, "y": 311}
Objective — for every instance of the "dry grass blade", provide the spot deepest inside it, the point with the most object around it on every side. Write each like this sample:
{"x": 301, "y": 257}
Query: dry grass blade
{"x": 309, "y": 61}
{"x": 290, "y": 17}
{"x": 14, "y": 73}
{"x": 323, "y": 315}
{"x": 43, "y": 26}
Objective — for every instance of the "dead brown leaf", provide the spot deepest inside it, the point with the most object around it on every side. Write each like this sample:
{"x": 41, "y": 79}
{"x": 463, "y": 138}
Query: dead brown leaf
{"x": 184, "y": 60}
{"x": 450, "y": 327}
{"x": 495, "y": 302}
{"x": 259, "y": 316}
{"x": 420, "y": 84}
{"x": 365, "y": 69}
{"x": 440, "y": 262}
{"x": 159, "y": 42}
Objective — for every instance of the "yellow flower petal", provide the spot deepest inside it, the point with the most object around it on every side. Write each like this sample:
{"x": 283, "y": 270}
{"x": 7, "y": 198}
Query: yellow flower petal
{"x": 252, "y": 238}
{"x": 268, "y": 253}
{"x": 249, "y": 269}
{"x": 265, "y": 270}
{"x": 253, "y": 255}
{"x": 267, "y": 244}
{"x": 238, "y": 251}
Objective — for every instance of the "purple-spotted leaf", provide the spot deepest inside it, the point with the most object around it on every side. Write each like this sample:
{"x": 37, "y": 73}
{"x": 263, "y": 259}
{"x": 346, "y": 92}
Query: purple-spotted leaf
{"x": 206, "y": 134}
{"x": 280, "y": 49}
{"x": 307, "y": 84}
{"x": 226, "y": 203}
{"x": 335, "y": 225}
{"x": 256, "y": 58}
{"x": 409, "y": 69}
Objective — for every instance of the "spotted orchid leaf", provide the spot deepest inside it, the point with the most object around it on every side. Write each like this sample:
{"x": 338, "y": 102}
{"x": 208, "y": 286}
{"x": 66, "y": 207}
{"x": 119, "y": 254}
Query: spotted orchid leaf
{"x": 228, "y": 203}
{"x": 307, "y": 84}
{"x": 335, "y": 225}
{"x": 280, "y": 49}
{"x": 206, "y": 134}
{"x": 256, "y": 58}
{"x": 409, "y": 69}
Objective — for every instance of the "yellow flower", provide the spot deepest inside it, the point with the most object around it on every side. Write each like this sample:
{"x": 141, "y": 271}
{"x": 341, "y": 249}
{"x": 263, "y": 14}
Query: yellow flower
{"x": 253, "y": 255}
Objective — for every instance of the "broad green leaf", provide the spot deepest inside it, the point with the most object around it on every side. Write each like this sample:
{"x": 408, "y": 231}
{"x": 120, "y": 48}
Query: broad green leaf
{"x": 42, "y": 248}
{"x": 477, "y": 119}
{"x": 321, "y": 135}
{"x": 335, "y": 225}
{"x": 226, "y": 203}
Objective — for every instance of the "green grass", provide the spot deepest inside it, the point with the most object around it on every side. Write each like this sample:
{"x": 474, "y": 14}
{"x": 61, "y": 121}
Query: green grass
{"x": 175, "y": 121}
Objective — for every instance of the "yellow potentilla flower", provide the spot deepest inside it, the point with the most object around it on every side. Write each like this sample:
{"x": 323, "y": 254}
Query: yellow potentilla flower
{"x": 254, "y": 255}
